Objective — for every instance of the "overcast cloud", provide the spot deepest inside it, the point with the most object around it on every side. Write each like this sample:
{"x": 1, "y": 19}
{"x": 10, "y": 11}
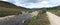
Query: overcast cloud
{"x": 35, "y": 3}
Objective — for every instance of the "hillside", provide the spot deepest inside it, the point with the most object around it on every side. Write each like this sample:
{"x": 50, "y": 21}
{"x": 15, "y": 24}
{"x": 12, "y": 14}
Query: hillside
{"x": 54, "y": 10}
{"x": 7, "y": 8}
{"x": 7, "y": 4}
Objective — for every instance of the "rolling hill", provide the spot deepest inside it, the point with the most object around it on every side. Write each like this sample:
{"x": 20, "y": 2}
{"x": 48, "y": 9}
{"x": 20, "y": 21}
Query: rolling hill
{"x": 7, "y": 8}
{"x": 55, "y": 10}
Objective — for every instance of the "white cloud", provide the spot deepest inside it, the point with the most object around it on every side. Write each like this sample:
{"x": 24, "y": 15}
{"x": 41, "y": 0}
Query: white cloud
{"x": 42, "y": 4}
{"x": 39, "y": 4}
{"x": 50, "y": 3}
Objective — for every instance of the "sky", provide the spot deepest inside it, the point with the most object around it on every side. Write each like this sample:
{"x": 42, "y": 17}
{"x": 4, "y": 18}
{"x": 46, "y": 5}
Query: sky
{"x": 35, "y": 3}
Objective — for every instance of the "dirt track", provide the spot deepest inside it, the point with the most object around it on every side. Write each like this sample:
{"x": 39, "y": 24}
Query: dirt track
{"x": 54, "y": 19}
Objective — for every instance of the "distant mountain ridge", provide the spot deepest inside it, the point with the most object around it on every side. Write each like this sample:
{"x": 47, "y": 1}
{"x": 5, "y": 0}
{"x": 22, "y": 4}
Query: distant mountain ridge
{"x": 8, "y": 5}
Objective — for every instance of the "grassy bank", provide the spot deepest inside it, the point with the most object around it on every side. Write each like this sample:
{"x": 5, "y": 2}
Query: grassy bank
{"x": 41, "y": 19}
{"x": 55, "y": 11}
{"x": 31, "y": 21}
{"x": 8, "y": 11}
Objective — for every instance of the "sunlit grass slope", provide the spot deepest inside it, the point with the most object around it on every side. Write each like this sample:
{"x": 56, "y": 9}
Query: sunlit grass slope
{"x": 7, "y": 8}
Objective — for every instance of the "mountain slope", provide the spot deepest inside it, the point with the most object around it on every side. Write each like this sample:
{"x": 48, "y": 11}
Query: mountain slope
{"x": 7, "y": 8}
{"x": 7, "y": 4}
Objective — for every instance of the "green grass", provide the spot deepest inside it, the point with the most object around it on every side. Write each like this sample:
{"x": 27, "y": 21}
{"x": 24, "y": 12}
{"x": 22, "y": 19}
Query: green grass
{"x": 31, "y": 21}
{"x": 8, "y": 11}
{"x": 55, "y": 11}
{"x": 43, "y": 21}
